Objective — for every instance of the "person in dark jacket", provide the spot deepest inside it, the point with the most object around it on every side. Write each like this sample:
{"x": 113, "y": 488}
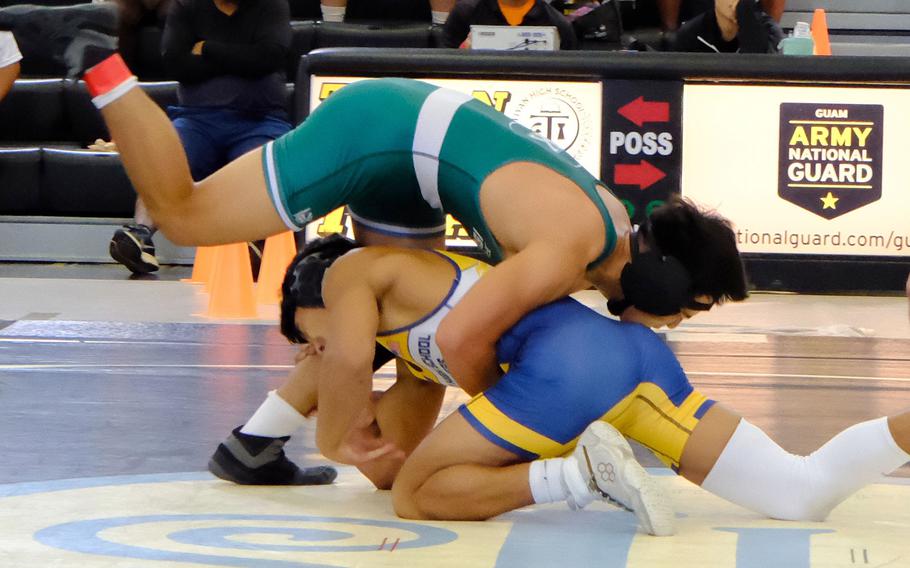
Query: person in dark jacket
{"x": 229, "y": 57}
{"x": 733, "y": 26}
{"x": 504, "y": 13}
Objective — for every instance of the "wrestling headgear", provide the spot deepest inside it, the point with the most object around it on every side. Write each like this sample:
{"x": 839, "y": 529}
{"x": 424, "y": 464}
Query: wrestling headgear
{"x": 302, "y": 286}
{"x": 653, "y": 282}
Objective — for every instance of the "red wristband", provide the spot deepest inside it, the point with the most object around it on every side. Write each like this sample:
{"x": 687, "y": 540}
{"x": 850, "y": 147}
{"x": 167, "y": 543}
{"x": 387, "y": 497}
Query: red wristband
{"x": 105, "y": 76}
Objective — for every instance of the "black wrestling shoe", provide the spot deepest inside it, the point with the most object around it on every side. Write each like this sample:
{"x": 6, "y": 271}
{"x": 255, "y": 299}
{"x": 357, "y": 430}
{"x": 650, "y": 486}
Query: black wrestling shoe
{"x": 259, "y": 460}
{"x": 132, "y": 247}
{"x": 87, "y": 49}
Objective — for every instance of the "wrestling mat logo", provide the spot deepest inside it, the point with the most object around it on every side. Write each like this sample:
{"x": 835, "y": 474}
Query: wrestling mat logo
{"x": 558, "y": 116}
{"x": 830, "y": 156}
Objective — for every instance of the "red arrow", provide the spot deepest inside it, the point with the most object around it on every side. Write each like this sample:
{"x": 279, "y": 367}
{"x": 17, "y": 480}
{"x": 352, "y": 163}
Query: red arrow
{"x": 643, "y": 174}
{"x": 641, "y": 111}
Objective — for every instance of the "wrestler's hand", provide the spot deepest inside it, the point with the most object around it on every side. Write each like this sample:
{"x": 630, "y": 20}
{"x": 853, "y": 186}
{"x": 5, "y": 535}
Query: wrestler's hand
{"x": 364, "y": 442}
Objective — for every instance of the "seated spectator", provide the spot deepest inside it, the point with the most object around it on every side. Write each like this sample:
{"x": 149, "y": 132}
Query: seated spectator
{"x": 229, "y": 57}
{"x": 733, "y": 26}
{"x": 9, "y": 62}
{"x": 133, "y": 15}
{"x": 670, "y": 10}
{"x": 334, "y": 10}
{"x": 504, "y": 13}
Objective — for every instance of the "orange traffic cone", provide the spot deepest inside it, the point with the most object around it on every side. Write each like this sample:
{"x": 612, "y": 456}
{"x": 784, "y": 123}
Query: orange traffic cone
{"x": 232, "y": 284}
{"x": 820, "y": 32}
{"x": 279, "y": 251}
{"x": 203, "y": 265}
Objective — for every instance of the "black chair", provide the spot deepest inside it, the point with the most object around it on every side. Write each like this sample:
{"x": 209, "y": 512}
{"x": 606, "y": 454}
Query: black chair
{"x": 305, "y": 10}
{"x": 20, "y": 177}
{"x": 85, "y": 122}
{"x": 33, "y": 112}
{"x": 83, "y": 183}
{"x": 332, "y": 34}
{"x": 303, "y": 38}
{"x": 164, "y": 93}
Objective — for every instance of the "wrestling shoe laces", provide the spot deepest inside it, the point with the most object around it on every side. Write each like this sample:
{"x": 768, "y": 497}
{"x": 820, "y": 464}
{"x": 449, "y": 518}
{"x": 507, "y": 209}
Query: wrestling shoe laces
{"x": 612, "y": 473}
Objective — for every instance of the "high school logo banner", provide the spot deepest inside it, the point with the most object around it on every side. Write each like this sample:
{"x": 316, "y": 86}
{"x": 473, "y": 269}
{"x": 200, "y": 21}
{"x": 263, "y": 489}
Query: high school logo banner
{"x": 802, "y": 170}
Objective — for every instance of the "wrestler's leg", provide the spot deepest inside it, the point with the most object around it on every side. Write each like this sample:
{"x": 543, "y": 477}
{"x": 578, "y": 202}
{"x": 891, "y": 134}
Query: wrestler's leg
{"x": 457, "y": 474}
{"x": 737, "y": 461}
{"x": 241, "y": 458}
{"x": 405, "y": 415}
{"x": 231, "y": 205}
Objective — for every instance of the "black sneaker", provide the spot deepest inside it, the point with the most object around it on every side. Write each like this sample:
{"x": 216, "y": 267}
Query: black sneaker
{"x": 87, "y": 49}
{"x": 259, "y": 460}
{"x": 132, "y": 247}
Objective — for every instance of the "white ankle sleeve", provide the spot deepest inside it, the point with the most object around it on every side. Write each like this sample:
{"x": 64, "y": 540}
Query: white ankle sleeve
{"x": 756, "y": 473}
{"x": 274, "y": 418}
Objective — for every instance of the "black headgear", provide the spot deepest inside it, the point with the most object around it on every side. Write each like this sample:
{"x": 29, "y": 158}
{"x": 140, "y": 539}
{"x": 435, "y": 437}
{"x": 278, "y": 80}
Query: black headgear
{"x": 302, "y": 286}
{"x": 653, "y": 282}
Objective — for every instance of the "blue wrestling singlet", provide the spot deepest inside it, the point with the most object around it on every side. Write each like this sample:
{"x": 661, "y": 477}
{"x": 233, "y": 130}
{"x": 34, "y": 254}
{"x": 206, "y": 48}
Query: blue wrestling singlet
{"x": 570, "y": 366}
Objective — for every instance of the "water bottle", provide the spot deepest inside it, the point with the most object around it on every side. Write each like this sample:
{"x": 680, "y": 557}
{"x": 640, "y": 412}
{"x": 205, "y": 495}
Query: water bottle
{"x": 799, "y": 42}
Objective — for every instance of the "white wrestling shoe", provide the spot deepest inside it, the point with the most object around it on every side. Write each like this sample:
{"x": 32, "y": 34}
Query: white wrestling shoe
{"x": 607, "y": 464}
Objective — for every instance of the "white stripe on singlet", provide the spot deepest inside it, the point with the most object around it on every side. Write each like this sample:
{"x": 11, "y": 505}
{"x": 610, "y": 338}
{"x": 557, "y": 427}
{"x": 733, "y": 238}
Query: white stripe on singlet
{"x": 432, "y": 124}
{"x": 271, "y": 177}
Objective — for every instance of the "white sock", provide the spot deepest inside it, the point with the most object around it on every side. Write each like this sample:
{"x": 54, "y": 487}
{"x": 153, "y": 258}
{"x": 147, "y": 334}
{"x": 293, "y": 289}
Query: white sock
{"x": 558, "y": 479}
{"x": 333, "y": 13}
{"x": 545, "y": 478}
{"x": 439, "y": 18}
{"x": 274, "y": 418}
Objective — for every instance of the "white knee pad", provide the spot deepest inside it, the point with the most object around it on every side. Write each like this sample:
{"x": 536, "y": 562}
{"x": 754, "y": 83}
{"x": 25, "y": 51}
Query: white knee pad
{"x": 756, "y": 473}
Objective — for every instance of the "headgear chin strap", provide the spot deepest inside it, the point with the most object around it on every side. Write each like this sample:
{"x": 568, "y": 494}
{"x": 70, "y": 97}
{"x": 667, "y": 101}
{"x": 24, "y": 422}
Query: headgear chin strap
{"x": 653, "y": 282}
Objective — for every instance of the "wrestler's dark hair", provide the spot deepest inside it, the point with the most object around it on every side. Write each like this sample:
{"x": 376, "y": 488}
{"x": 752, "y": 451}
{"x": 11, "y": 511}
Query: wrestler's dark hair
{"x": 302, "y": 285}
{"x": 704, "y": 242}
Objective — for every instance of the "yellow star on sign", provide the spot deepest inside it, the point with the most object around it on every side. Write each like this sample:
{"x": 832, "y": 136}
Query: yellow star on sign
{"x": 829, "y": 201}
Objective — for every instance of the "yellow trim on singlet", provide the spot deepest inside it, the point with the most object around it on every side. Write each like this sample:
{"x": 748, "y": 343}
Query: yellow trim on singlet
{"x": 515, "y": 433}
{"x": 650, "y": 418}
{"x": 646, "y": 415}
{"x": 398, "y": 340}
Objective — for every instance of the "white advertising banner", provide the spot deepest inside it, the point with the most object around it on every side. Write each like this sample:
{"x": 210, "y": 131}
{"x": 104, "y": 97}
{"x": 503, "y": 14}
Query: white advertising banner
{"x": 566, "y": 113}
{"x": 802, "y": 170}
